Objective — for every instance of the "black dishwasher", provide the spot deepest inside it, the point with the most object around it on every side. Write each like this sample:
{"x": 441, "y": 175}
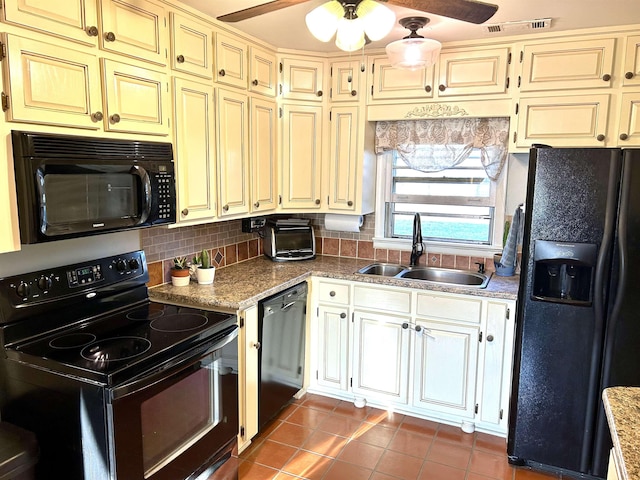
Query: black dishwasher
{"x": 281, "y": 332}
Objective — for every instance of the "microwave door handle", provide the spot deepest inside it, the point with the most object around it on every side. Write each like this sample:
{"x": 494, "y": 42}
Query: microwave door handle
{"x": 146, "y": 191}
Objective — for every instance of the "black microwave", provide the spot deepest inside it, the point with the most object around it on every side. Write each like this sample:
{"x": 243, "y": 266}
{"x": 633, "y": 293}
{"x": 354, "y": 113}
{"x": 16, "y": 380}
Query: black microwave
{"x": 71, "y": 186}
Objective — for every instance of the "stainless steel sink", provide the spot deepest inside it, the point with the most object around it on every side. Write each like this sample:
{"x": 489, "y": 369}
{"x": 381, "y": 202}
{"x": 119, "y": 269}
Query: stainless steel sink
{"x": 445, "y": 275}
{"x": 383, "y": 269}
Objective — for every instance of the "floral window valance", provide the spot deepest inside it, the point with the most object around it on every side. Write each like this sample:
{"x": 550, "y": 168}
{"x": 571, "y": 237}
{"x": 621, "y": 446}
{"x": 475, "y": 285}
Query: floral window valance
{"x": 437, "y": 144}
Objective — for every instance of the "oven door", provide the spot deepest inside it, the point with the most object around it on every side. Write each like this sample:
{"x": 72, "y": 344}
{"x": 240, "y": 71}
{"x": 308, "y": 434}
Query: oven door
{"x": 174, "y": 422}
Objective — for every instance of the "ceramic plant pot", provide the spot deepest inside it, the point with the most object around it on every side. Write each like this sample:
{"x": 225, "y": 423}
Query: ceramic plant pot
{"x": 205, "y": 275}
{"x": 180, "y": 277}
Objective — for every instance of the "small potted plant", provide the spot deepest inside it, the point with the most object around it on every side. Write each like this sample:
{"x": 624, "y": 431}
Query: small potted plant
{"x": 180, "y": 272}
{"x": 205, "y": 272}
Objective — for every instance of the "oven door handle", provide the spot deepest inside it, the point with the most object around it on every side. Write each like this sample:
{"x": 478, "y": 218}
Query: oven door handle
{"x": 173, "y": 368}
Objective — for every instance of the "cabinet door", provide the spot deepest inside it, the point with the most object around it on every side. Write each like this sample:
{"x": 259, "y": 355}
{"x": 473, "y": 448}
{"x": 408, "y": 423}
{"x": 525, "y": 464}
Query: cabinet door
{"x": 263, "y": 72}
{"x": 263, "y": 155}
{"x": 136, "y": 29}
{"x": 567, "y": 121}
{"x": 473, "y": 72}
{"x": 195, "y": 150}
{"x": 381, "y": 356}
{"x": 567, "y": 65}
{"x": 301, "y": 156}
{"x": 248, "y": 346}
{"x": 191, "y": 47}
{"x": 333, "y": 347}
{"x": 345, "y": 81}
{"x": 75, "y": 20}
{"x": 73, "y": 100}
{"x": 445, "y": 362}
{"x": 496, "y": 369}
{"x": 632, "y": 61}
{"x": 343, "y": 161}
{"x": 302, "y": 79}
{"x": 629, "y": 128}
{"x": 230, "y": 61}
{"x": 232, "y": 127}
{"x": 137, "y": 99}
{"x": 391, "y": 83}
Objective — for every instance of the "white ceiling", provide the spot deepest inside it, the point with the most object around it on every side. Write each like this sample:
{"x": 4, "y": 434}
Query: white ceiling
{"x": 285, "y": 28}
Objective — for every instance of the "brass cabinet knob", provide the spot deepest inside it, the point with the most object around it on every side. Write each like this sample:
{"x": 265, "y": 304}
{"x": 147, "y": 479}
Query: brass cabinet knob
{"x": 354, "y": 93}
{"x": 92, "y": 31}
{"x": 180, "y": 58}
{"x": 319, "y": 93}
{"x": 442, "y": 88}
{"x": 350, "y": 203}
{"x": 221, "y": 72}
{"x": 110, "y": 37}
{"x": 624, "y": 136}
{"x": 115, "y": 118}
{"x": 225, "y": 208}
{"x": 405, "y": 325}
{"x": 628, "y": 75}
{"x": 185, "y": 212}
{"x": 256, "y": 205}
{"x": 255, "y": 82}
{"x": 332, "y": 293}
{"x": 600, "y": 137}
{"x": 489, "y": 338}
{"x": 317, "y": 201}
{"x": 256, "y": 345}
{"x": 427, "y": 88}
{"x": 97, "y": 116}
{"x": 606, "y": 77}
{"x": 343, "y": 315}
{"x": 418, "y": 328}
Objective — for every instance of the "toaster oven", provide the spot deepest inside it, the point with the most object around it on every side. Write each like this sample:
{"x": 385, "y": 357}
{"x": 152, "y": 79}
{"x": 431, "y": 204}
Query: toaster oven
{"x": 289, "y": 240}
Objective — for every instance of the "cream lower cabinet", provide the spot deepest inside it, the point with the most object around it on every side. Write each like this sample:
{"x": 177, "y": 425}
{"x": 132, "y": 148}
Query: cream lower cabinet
{"x": 333, "y": 347}
{"x": 248, "y": 346}
{"x": 195, "y": 150}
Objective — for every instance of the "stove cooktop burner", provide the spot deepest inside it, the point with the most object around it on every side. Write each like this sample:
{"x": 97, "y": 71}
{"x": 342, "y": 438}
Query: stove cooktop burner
{"x": 179, "y": 322}
{"x": 72, "y": 340}
{"x": 148, "y": 312}
{"x": 115, "y": 349}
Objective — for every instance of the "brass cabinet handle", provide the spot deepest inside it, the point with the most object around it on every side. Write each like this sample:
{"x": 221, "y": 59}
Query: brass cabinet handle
{"x": 442, "y": 88}
{"x": 92, "y": 31}
{"x": 427, "y": 88}
{"x": 319, "y": 93}
{"x": 624, "y": 136}
{"x": 225, "y": 208}
{"x": 256, "y": 205}
{"x": 115, "y": 118}
{"x": 110, "y": 37}
{"x": 185, "y": 212}
{"x": 97, "y": 116}
{"x": 354, "y": 93}
{"x": 350, "y": 203}
{"x": 600, "y": 137}
{"x": 606, "y": 77}
{"x": 628, "y": 75}
{"x": 255, "y": 82}
{"x": 180, "y": 58}
{"x": 221, "y": 72}
{"x": 317, "y": 201}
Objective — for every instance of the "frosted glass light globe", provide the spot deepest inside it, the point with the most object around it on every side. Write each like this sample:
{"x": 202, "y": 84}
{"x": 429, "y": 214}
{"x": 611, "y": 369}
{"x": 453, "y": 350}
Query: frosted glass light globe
{"x": 322, "y": 21}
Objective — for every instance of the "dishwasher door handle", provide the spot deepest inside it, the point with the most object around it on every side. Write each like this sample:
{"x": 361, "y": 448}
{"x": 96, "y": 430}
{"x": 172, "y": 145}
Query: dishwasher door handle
{"x": 284, "y": 307}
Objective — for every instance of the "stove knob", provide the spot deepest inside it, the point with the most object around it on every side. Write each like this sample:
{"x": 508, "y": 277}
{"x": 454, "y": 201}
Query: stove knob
{"x": 23, "y": 289}
{"x": 44, "y": 283}
{"x": 134, "y": 264}
{"x": 121, "y": 265}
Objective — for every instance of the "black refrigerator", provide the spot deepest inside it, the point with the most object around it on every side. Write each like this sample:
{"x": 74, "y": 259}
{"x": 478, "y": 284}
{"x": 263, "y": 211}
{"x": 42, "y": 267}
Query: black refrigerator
{"x": 578, "y": 315}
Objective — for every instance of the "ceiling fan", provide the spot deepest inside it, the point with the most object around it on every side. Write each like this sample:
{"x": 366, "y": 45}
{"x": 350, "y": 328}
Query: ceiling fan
{"x": 471, "y": 11}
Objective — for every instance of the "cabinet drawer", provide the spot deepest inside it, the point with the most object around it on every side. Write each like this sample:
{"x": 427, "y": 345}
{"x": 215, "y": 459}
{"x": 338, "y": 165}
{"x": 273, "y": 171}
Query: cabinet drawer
{"x": 390, "y": 300}
{"x": 437, "y": 306}
{"x": 334, "y": 293}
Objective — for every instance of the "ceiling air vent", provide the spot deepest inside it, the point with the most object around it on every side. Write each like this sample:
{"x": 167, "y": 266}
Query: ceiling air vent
{"x": 519, "y": 26}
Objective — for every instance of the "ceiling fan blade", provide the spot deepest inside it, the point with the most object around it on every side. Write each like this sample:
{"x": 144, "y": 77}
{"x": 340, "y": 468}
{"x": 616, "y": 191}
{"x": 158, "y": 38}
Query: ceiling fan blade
{"x": 470, "y": 11}
{"x": 258, "y": 10}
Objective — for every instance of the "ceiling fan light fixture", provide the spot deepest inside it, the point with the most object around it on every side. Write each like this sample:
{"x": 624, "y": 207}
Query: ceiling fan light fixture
{"x": 377, "y": 19}
{"x": 413, "y": 51}
{"x": 350, "y": 36}
{"x": 322, "y": 21}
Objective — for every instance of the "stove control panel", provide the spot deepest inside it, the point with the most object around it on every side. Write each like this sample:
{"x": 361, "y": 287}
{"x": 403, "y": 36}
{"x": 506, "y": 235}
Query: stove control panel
{"x": 85, "y": 275}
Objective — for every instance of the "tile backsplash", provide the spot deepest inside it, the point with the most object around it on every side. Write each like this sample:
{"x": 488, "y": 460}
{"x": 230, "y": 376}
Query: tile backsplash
{"x": 228, "y": 245}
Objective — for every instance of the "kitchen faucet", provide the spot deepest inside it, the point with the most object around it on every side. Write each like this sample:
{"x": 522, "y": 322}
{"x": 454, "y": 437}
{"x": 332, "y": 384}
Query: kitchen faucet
{"x": 417, "y": 248}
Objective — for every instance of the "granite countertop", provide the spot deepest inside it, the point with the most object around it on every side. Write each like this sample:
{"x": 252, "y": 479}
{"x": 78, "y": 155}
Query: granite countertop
{"x": 242, "y": 285}
{"x": 622, "y": 406}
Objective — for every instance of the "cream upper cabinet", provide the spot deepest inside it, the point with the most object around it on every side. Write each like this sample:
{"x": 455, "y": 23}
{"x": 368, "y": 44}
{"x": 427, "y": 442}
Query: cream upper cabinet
{"x": 302, "y": 79}
{"x": 191, "y": 47}
{"x": 136, "y": 99}
{"x": 301, "y": 156}
{"x": 137, "y": 29}
{"x": 194, "y": 150}
{"x": 345, "y": 81}
{"x": 629, "y": 126}
{"x": 564, "y": 121}
{"x": 632, "y": 61}
{"x": 232, "y": 127}
{"x": 75, "y": 20}
{"x": 567, "y": 65}
{"x": 263, "y": 118}
{"x": 391, "y": 83}
{"x": 73, "y": 100}
{"x": 263, "y": 72}
{"x": 230, "y": 61}
{"x": 345, "y": 149}
{"x": 473, "y": 71}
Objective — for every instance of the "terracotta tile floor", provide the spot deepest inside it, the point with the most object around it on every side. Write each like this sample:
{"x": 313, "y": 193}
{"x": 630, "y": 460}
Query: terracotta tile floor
{"x": 322, "y": 438}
